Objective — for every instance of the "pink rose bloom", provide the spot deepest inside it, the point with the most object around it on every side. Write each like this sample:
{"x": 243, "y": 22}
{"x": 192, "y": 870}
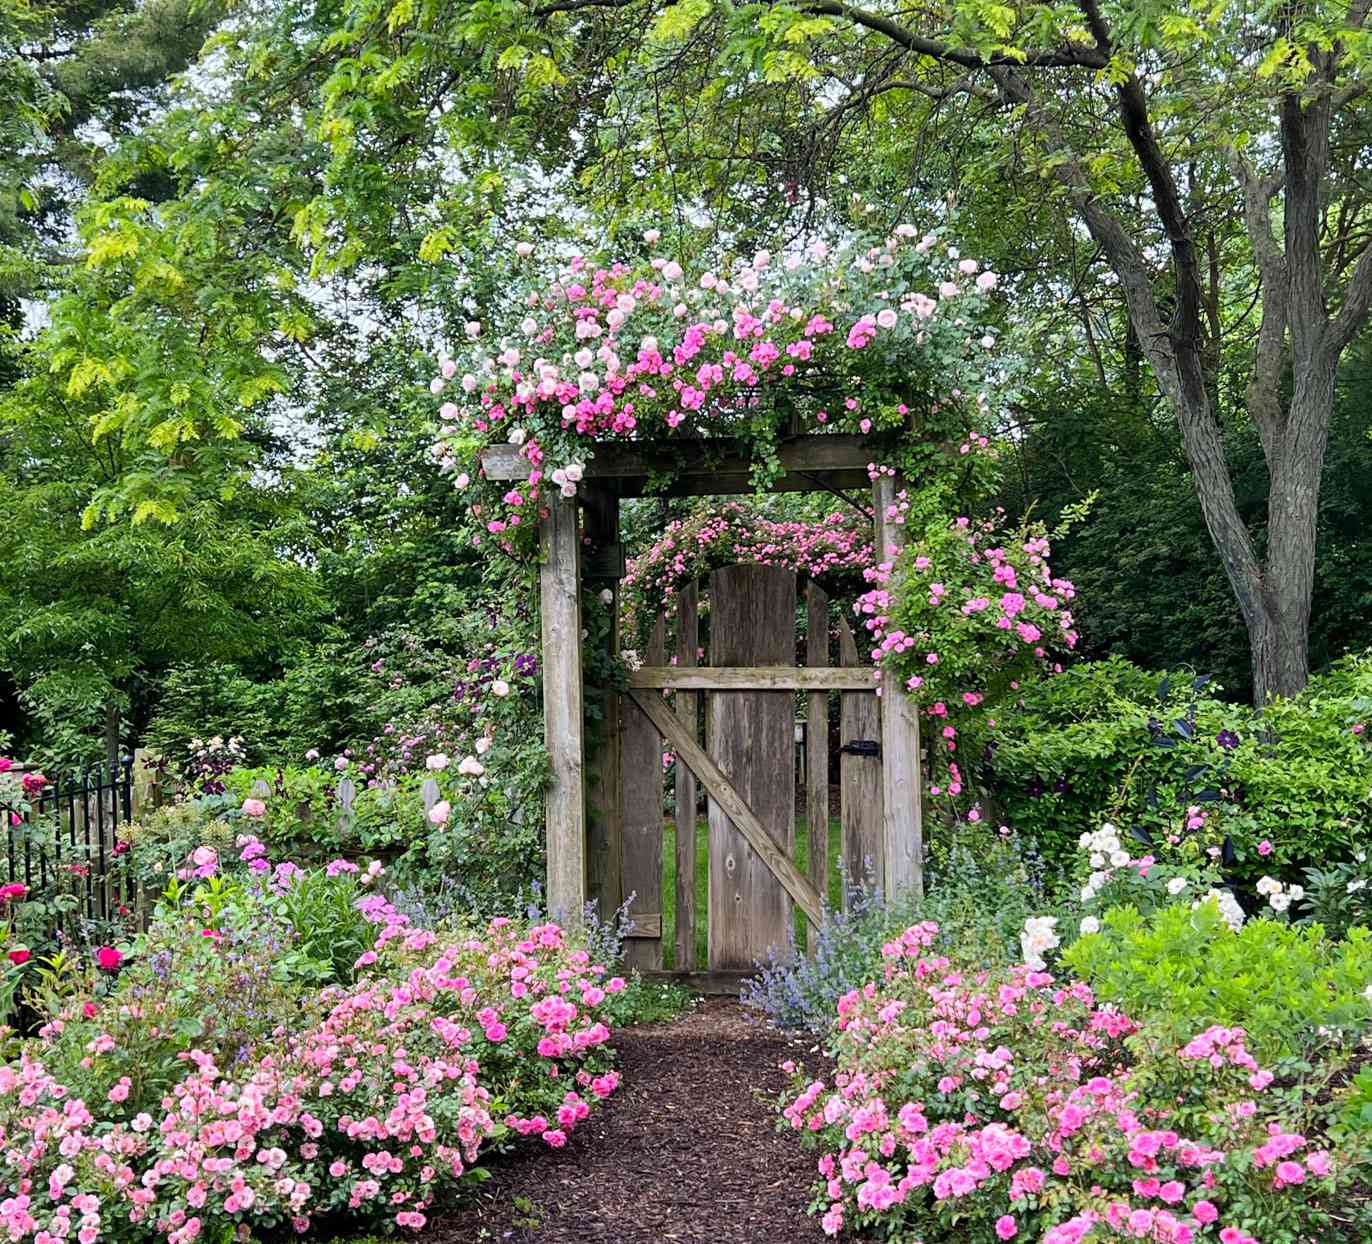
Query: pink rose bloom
{"x": 1264, "y": 847}
{"x": 1005, "y": 1226}
{"x": 254, "y": 807}
{"x": 1204, "y": 1212}
{"x": 109, "y": 958}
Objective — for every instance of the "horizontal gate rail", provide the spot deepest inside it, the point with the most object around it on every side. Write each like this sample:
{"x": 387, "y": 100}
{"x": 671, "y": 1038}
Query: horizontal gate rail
{"x": 753, "y": 678}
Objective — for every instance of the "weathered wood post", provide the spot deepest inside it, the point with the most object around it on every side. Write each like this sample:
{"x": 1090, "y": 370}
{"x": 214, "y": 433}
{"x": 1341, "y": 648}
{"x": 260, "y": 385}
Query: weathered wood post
{"x": 902, "y": 787}
{"x": 687, "y": 642}
{"x": 817, "y": 749}
{"x": 565, "y": 808}
{"x": 602, "y": 569}
{"x": 640, "y": 758}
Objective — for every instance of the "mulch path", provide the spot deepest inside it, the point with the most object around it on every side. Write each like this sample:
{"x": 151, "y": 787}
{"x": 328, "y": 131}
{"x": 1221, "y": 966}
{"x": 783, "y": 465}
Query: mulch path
{"x": 684, "y": 1151}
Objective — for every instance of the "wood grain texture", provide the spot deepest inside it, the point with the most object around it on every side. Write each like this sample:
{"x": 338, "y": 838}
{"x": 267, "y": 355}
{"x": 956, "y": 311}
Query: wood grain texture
{"x": 817, "y": 748}
{"x": 641, "y": 778}
{"x": 860, "y": 788}
{"x": 687, "y": 709}
{"x": 751, "y": 738}
{"x": 719, "y": 788}
{"x": 604, "y": 815}
{"x": 902, "y": 787}
{"x": 716, "y": 460}
{"x": 754, "y": 678}
{"x": 565, "y": 805}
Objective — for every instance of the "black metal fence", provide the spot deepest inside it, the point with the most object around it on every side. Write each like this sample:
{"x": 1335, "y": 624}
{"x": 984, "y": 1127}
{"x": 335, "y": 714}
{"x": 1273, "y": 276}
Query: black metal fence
{"x": 67, "y": 841}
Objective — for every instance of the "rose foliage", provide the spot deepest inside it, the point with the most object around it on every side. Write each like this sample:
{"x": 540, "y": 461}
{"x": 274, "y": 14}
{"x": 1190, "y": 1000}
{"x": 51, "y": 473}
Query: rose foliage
{"x": 139, "y": 1112}
{"x": 977, "y": 1106}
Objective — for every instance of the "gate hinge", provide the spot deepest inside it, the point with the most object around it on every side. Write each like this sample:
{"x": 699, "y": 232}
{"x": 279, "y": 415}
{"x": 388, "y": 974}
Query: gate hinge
{"x": 862, "y": 747}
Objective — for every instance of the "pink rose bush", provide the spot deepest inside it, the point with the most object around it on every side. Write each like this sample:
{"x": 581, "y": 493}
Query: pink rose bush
{"x": 361, "y": 1104}
{"x": 967, "y": 614}
{"x": 976, "y": 1106}
{"x": 834, "y": 551}
{"x": 877, "y": 336}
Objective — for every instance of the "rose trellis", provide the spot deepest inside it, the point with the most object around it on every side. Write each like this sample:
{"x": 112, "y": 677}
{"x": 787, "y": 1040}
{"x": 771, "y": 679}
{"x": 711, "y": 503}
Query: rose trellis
{"x": 859, "y": 366}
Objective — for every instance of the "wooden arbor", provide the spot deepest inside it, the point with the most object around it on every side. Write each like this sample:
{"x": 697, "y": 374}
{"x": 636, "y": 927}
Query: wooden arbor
{"x": 579, "y": 543}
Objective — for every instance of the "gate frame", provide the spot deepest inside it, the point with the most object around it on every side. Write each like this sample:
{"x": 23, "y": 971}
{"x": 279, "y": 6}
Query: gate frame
{"x": 583, "y": 851}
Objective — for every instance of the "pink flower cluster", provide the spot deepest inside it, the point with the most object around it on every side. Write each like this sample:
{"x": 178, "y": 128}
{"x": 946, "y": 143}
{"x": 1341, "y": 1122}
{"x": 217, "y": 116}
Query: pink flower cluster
{"x": 371, "y": 1113}
{"x": 1010, "y": 1103}
{"x": 611, "y": 351}
{"x": 834, "y": 550}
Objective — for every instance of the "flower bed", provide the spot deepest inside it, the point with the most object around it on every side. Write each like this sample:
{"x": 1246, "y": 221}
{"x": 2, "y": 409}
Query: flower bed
{"x": 213, "y": 1087}
{"x": 1001, "y": 1105}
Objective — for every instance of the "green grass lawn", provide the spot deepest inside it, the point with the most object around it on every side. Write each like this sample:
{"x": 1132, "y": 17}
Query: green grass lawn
{"x": 802, "y": 861}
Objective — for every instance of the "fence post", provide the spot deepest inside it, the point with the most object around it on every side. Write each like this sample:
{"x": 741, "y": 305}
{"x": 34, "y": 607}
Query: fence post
{"x": 146, "y": 794}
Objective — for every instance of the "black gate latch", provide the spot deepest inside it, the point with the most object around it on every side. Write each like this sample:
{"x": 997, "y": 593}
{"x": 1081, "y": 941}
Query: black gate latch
{"x": 862, "y": 747}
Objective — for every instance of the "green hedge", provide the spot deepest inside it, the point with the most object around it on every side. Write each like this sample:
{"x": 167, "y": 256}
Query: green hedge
{"x": 1108, "y": 741}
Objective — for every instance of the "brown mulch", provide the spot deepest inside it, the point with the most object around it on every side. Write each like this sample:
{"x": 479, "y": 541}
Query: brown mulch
{"x": 684, "y": 1151}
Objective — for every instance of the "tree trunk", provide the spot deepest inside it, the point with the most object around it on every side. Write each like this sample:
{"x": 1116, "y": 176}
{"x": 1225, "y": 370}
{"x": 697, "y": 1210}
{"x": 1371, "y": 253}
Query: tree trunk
{"x": 1281, "y": 642}
{"x": 112, "y": 735}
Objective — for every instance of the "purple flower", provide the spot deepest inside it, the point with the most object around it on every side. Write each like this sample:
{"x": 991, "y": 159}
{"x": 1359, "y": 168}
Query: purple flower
{"x": 1227, "y": 739}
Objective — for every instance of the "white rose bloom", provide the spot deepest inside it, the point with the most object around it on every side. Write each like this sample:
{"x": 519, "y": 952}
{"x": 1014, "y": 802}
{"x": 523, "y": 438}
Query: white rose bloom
{"x": 1090, "y": 925}
{"x": 1355, "y": 886}
{"x": 1087, "y": 894}
{"x": 1280, "y": 902}
{"x": 1297, "y": 892}
{"x": 500, "y": 688}
{"x": 516, "y": 436}
{"x": 1118, "y": 859}
{"x": 471, "y": 767}
{"x": 1269, "y": 885}
{"x": 437, "y": 762}
{"x": 1097, "y": 860}
{"x": 1177, "y": 885}
{"x": 483, "y": 745}
{"x": 473, "y": 328}
{"x": 607, "y": 596}
{"x": 574, "y": 472}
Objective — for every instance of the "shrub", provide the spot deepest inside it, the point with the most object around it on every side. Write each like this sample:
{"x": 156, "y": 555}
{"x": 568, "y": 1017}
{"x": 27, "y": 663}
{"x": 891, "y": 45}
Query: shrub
{"x": 1291, "y": 989}
{"x": 980, "y": 891}
{"x": 976, "y": 1106}
{"x": 1105, "y": 740}
{"x": 207, "y": 1095}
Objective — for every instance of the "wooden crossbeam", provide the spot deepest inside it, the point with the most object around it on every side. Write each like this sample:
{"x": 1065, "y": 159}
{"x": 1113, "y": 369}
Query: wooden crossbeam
{"x": 713, "y": 466}
{"x": 722, "y": 791}
{"x": 753, "y": 678}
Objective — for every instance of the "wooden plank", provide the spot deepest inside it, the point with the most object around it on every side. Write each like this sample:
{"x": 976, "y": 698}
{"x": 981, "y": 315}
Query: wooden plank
{"x": 687, "y": 708}
{"x": 564, "y": 806}
{"x": 860, "y": 790}
{"x": 605, "y": 820}
{"x": 647, "y": 924}
{"x": 754, "y": 678}
{"x": 705, "y": 458}
{"x": 750, "y": 735}
{"x": 720, "y": 789}
{"x": 902, "y": 787}
{"x": 817, "y": 748}
{"x": 640, "y": 747}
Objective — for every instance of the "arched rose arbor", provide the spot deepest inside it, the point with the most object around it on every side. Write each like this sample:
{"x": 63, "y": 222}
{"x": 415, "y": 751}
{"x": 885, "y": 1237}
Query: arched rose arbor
{"x": 853, "y": 370}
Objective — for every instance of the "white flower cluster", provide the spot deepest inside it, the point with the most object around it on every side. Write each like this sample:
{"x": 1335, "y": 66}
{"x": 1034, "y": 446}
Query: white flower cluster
{"x": 1105, "y": 854}
{"x": 1040, "y": 934}
{"x": 1228, "y": 905}
{"x": 1280, "y": 897}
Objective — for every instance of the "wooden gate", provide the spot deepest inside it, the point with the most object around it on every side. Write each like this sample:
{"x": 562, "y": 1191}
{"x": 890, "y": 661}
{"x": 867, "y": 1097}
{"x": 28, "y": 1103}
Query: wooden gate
{"x": 604, "y": 836}
{"x": 746, "y": 765}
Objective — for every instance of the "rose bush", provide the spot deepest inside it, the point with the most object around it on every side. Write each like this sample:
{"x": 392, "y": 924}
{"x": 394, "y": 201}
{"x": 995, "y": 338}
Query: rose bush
{"x": 133, "y": 1117}
{"x": 981, "y": 1106}
{"x": 874, "y": 337}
